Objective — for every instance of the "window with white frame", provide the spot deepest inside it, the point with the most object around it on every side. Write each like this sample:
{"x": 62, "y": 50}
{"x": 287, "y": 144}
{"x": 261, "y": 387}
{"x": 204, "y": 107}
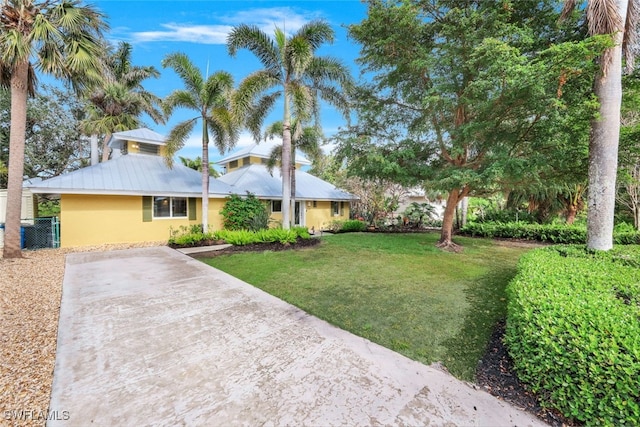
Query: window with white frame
{"x": 169, "y": 207}
{"x": 276, "y": 206}
{"x": 335, "y": 208}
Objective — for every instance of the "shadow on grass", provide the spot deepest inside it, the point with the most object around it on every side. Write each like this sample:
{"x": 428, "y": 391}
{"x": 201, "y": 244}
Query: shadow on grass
{"x": 487, "y": 305}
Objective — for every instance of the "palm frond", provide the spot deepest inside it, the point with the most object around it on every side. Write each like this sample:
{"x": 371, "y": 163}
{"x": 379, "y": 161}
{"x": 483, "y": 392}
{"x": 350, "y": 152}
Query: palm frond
{"x": 251, "y": 88}
{"x": 630, "y": 40}
{"x": 603, "y": 17}
{"x": 179, "y": 98}
{"x": 177, "y": 137}
{"x": 190, "y": 75}
{"x": 316, "y": 33}
{"x": 257, "y": 112}
{"x": 298, "y": 56}
{"x": 256, "y": 41}
{"x": 302, "y": 100}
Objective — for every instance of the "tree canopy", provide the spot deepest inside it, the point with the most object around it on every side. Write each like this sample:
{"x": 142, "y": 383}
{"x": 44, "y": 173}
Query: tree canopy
{"x": 466, "y": 97}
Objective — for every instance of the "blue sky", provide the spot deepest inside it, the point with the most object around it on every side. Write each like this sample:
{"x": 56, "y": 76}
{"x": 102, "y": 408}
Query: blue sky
{"x": 199, "y": 29}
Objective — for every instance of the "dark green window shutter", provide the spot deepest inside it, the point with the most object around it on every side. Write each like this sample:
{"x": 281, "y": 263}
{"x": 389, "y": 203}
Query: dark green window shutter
{"x": 147, "y": 208}
{"x": 192, "y": 208}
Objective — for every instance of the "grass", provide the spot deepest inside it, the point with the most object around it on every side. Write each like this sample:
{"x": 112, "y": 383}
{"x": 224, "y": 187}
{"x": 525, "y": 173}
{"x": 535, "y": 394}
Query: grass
{"x": 397, "y": 290}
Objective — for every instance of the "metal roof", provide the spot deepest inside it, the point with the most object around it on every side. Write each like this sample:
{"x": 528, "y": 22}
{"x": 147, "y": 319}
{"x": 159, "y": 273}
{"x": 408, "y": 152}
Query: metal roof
{"x": 257, "y": 180}
{"x": 139, "y": 135}
{"x": 133, "y": 174}
{"x": 261, "y": 150}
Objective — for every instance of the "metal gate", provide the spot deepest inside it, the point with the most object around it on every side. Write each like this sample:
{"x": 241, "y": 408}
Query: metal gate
{"x": 44, "y": 233}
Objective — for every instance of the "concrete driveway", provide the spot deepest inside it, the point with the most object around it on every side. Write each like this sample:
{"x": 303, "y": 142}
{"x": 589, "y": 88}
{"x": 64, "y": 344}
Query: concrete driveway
{"x": 153, "y": 337}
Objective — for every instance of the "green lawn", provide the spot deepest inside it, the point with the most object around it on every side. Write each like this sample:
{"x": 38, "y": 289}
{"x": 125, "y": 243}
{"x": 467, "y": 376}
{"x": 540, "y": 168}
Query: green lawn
{"x": 397, "y": 290}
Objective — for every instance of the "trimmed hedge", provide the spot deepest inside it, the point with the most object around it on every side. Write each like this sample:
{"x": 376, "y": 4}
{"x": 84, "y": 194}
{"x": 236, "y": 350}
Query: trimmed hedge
{"x": 552, "y": 233}
{"x": 573, "y": 331}
{"x": 347, "y": 226}
{"x": 188, "y": 237}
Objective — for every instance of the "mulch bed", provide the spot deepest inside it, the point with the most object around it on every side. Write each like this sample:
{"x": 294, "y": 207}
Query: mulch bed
{"x": 495, "y": 374}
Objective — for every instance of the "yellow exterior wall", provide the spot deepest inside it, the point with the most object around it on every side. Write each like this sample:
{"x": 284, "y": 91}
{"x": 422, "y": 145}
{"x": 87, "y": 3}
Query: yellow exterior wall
{"x": 93, "y": 220}
{"x": 321, "y": 216}
{"x": 318, "y": 217}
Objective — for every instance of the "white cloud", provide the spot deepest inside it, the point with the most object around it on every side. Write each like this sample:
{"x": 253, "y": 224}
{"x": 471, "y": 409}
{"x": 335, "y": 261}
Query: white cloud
{"x": 204, "y": 34}
{"x": 266, "y": 19}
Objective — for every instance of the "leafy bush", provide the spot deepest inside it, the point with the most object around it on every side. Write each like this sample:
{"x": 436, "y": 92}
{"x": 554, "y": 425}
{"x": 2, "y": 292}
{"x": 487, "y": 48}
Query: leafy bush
{"x": 573, "y": 331}
{"x": 244, "y": 213}
{"x": 552, "y": 233}
{"x": 184, "y": 236}
{"x": 346, "y": 226}
{"x": 353, "y": 225}
{"x": 419, "y": 214}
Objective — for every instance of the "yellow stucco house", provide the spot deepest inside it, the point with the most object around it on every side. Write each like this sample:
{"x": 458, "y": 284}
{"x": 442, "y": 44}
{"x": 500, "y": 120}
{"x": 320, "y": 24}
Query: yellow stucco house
{"x": 136, "y": 197}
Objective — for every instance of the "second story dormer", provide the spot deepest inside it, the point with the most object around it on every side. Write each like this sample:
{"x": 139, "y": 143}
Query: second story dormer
{"x": 137, "y": 141}
{"x": 256, "y": 154}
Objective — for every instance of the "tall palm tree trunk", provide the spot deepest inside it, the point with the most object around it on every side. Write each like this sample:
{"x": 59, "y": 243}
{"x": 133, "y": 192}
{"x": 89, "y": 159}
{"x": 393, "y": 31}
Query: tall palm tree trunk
{"x": 19, "y": 89}
{"x": 205, "y": 177}
{"x": 286, "y": 166}
{"x": 94, "y": 149}
{"x": 293, "y": 183}
{"x": 603, "y": 147}
{"x": 105, "y": 147}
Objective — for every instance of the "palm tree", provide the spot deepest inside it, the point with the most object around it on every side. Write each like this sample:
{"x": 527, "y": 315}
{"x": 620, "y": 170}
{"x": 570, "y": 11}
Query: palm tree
{"x": 619, "y": 19}
{"x": 62, "y": 39}
{"x": 307, "y": 139}
{"x": 211, "y": 98}
{"x": 196, "y": 164}
{"x": 119, "y": 99}
{"x": 293, "y": 72}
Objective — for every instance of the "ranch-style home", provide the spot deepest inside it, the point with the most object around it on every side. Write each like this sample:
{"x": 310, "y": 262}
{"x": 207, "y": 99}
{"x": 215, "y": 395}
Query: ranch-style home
{"x": 136, "y": 197}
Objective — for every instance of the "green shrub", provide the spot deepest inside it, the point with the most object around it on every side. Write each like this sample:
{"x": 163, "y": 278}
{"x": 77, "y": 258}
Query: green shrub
{"x": 552, "y": 233}
{"x": 244, "y": 213}
{"x": 573, "y": 331}
{"x": 353, "y": 225}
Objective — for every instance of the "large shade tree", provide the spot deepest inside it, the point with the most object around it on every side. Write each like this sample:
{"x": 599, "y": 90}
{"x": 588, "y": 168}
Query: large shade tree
{"x": 58, "y": 38}
{"x": 119, "y": 100}
{"x": 462, "y": 95}
{"x": 210, "y": 98}
{"x": 618, "y": 18}
{"x": 292, "y": 72}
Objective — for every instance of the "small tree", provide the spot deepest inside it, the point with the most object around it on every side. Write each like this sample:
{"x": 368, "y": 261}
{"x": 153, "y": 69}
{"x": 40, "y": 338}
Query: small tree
{"x": 244, "y": 213}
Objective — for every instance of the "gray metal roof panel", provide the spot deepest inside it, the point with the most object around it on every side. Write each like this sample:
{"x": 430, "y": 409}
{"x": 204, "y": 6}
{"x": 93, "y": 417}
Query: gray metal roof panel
{"x": 133, "y": 173}
{"x": 261, "y": 150}
{"x": 257, "y": 180}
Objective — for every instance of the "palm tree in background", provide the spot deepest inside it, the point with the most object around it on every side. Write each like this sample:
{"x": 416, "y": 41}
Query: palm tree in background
{"x": 63, "y": 39}
{"x": 210, "y": 97}
{"x": 618, "y": 18}
{"x": 306, "y": 139}
{"x": 117, "y": 103}
{"x": 291, "y": 72}
{"x": 196, "y": 164}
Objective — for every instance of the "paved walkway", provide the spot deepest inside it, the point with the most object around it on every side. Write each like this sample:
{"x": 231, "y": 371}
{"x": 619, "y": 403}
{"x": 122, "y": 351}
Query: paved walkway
{"x": 152, "y": 337}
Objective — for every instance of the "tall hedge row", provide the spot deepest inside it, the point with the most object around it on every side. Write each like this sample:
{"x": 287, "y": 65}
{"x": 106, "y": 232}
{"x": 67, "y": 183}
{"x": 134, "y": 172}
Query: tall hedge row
{"x": 573, "y": 331}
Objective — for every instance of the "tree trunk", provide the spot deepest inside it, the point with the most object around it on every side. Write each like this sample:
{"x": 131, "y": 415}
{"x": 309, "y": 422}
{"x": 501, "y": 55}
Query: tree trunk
{"x": 19, "y": 81}
{"x": 205, "y": 177}
{"x": 603, "y": 146}
{"x": 572, "y": 211}
{"x": 106, "y": 151}
{"x": 286, "y": 166}
{"x": 293, "y": 182}
{"x": 94, "y": 149}
{"x": 448, "y": 218}
{"x": 636, "y": 217}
